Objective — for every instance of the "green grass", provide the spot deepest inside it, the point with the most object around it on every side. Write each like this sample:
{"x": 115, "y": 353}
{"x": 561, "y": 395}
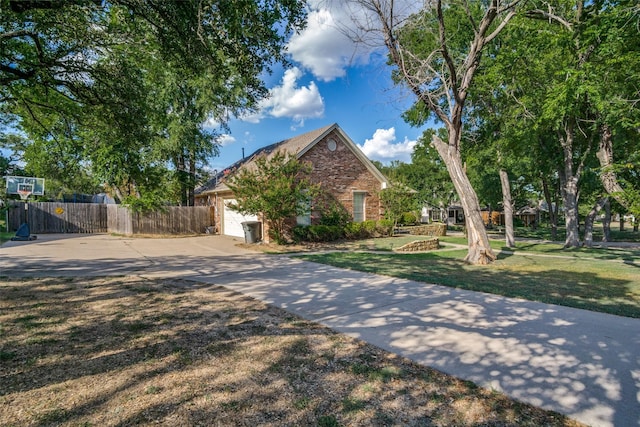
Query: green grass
{"x": 5, "y": 236}
{"x": 387, "y": 244}
{"x": 603, "y": 280}
{"x": 544, "y": 233}
{"x": 555, "y": 249}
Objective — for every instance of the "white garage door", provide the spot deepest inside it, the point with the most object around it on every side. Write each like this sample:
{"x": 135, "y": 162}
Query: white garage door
{"x": 232, "y": 220}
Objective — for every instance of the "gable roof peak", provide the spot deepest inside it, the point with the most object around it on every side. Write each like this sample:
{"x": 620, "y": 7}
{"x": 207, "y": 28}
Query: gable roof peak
{"x": 297, "y": 145}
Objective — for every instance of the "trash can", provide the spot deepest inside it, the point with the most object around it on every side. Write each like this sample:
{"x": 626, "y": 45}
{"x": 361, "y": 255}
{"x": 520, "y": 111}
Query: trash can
{"x": 252, "y": 231}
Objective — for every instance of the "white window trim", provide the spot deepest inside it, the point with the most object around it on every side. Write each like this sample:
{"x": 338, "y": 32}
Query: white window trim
{"x": 305, "y": 219}
{"x": 364, "y": 205}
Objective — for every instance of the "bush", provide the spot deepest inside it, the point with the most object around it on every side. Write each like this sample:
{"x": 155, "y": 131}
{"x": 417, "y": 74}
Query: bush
{"x": 335, "y": 214}
{"x": 354, "y": 230}
{"x": 369, "y": 228}
{"x": 324, "y": 233}
{"x": 316, "y": 233}
{"x": 299, "y": 233}
{"x": 384, "y": 227}
{"x": 408, "y": 218}
{"x": 351, "y": 231}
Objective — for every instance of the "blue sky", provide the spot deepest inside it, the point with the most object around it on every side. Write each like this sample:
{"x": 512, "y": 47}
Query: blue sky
{"x": 330, "y": 80}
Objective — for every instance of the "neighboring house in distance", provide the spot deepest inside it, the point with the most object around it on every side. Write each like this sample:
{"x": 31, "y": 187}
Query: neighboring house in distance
{"x": 337, "y": 164}
{"x": 528, "y": 215}
{"x": 452, "y": 215}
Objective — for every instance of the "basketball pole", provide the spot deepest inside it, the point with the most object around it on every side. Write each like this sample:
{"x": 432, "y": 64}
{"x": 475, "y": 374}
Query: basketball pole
{"x": 25, "y": 199}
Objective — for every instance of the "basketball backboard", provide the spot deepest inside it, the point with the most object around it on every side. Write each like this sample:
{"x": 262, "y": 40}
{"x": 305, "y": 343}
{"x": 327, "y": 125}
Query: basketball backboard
{"x": 18, "y": 184}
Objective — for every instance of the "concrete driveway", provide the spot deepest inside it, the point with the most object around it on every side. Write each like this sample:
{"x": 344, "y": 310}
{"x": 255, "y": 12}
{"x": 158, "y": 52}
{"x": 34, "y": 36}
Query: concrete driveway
{"x": 102, "y": 254}
{"x": 582, "y": 364}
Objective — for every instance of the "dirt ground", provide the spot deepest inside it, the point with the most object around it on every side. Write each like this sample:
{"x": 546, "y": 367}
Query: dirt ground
{"x": 128, "y": 351}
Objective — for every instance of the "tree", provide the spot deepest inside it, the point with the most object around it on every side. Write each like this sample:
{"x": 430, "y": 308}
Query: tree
{"x": 508, "y": 209}
{"x": 561, "y": 90}
{"x": 131, "y": 81}
{"x": 427, "y": 174}
{"x": 436, "y": 53}
{"x": 397, "y": 199}
{"x": 278, "y": 188}
{"x": 502, "y": 168}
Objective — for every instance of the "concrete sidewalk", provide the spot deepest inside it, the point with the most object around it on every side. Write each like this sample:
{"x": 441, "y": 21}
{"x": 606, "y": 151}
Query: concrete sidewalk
{"x": 579, "y": 363}
{"x": 582, "y": 364}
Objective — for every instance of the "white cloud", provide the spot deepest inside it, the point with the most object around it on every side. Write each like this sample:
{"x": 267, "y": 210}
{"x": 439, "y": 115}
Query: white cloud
{"x": 326, "y": 46}
{"x": 290, "y": 100}
{"x": 211, "y": 123}
{"x": 321, "y": 48}
{"x": 382, "y": 147}
{"x": 253, "y": 117}
{"x": 226, "y": 139}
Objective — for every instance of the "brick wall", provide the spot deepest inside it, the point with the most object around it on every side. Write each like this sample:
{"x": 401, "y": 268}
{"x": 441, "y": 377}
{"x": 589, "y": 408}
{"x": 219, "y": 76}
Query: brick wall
{"x": 341, "y": 173}
{"x": 420, "y": 246}
{"x": 436, "y": 229}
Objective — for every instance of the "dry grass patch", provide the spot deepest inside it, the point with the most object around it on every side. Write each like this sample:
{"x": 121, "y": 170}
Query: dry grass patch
{"x": 127, "y": 351}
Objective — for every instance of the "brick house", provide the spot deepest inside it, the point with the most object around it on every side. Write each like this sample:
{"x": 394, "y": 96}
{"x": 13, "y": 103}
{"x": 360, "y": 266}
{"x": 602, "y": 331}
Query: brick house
{"x": 337, "y": 164}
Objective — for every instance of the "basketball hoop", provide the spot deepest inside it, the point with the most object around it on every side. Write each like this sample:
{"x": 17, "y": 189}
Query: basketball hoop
{"x": 25, "y": 186}
{"x": 24, "y": 191}
{"x": 24, "y": 194}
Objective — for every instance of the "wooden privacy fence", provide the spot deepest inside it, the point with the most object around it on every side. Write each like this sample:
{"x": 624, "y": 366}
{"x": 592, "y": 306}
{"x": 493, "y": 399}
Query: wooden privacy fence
{"x": 52, "y": 217}
{"x": 169, "y": 220}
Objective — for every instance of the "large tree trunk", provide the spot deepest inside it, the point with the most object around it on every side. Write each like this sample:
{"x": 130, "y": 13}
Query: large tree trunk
{"x": 553, "y": 208}
{"x": 569, "y": 179}
{"x": 118, "y": 193}
{"x": 180, "y": 172}
{"x": 606, "y": 223}
{"x": 443, "y": 78}
{"x": 508, "y": 209}
{"x": 588, "y": 221}
{"x": 607, "y": 175}
{"x": 570, "y": 200}
{"x": 479, "y": 249}
{"x": 191, "y": 195}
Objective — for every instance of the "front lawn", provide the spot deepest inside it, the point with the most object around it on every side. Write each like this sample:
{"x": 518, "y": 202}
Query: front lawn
{"x": 604, "y": 280}
{"x": 129, "y": 351}
{"x": 544, "y": 233}
{"x": 4, "y": 235}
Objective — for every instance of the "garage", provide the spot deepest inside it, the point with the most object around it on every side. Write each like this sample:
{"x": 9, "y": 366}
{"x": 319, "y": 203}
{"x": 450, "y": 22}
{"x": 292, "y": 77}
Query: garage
{"x": 232, "y": 220}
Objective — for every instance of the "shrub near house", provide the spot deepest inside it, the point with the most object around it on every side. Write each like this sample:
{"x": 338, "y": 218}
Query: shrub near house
{"x": 351, "y": 231}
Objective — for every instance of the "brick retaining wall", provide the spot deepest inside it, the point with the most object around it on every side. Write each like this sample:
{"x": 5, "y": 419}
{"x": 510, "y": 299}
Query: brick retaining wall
{"x": 420, "y": 246}
{"x": 437, "y": 229}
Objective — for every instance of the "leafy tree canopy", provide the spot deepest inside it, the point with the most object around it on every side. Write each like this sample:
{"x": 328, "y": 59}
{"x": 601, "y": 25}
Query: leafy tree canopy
{"x": 119, "y": 89}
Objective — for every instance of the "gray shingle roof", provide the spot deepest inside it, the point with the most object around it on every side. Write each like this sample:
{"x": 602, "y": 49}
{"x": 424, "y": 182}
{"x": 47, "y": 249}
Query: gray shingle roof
{"x": 296, "y": 145}
{"x": 292, "y": 146}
